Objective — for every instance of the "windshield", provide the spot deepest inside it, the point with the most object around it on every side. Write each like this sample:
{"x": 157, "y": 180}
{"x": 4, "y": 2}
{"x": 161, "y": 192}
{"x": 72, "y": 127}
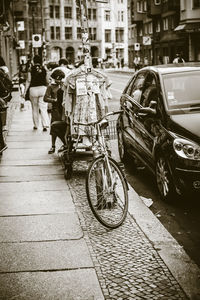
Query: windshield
{"x": 182, "y": 91}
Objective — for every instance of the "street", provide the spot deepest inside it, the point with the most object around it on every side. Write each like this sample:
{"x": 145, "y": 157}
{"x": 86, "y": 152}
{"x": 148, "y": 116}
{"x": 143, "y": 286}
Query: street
{"x": 180, "y": 219}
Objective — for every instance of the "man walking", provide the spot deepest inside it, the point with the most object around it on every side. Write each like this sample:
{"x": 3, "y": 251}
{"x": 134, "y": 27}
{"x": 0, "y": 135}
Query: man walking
{"x": 136, "y": 62}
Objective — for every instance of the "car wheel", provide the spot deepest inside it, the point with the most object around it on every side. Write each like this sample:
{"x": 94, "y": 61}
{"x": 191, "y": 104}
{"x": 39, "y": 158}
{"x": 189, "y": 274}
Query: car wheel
{"x": 164, "y": 180}
{"x": 121, "y": 146}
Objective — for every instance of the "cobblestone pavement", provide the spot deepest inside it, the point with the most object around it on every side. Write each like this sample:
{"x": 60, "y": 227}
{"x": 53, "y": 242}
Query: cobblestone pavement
{"x": 127, "y": 265}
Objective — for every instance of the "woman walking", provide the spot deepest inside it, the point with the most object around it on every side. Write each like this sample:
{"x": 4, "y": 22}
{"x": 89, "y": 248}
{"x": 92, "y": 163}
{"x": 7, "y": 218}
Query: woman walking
{"x": 37, "y": 84}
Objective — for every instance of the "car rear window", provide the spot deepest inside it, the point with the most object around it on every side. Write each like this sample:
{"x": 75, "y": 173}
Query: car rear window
{"x": 182, "y": 90}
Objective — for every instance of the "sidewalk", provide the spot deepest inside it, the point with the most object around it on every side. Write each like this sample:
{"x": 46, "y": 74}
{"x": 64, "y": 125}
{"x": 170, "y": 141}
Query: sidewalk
{"x": 53, "y": 248}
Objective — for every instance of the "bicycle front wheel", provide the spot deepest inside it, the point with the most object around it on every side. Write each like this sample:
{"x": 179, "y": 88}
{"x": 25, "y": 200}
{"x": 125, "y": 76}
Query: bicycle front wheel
{"x": 107, "y": 192}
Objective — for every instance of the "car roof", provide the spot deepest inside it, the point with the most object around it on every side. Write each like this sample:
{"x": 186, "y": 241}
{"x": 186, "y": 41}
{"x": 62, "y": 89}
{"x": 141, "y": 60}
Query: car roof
{"x": 174, "y": 68}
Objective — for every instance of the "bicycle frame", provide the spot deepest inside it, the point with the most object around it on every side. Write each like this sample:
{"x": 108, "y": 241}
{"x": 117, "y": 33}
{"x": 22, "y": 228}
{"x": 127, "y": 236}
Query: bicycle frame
{"x": 102, "y": 150}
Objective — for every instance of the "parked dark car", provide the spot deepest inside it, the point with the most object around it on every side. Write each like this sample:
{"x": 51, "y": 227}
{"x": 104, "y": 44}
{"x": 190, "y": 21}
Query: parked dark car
{"x": 160, "y": 126}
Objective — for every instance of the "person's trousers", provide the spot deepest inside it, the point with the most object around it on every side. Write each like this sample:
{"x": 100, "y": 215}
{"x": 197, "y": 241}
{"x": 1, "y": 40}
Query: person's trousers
{"x": 38, "y": 105}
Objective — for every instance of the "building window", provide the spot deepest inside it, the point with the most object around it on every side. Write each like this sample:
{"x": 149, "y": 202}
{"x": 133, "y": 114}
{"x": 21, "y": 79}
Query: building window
{"x": 157, "y": 2}
{"x": 183, "y": 4}
{"x": 140, "y": 6}
{"x": 150, "y": 28}
{"x": 140, "y": 31}
{"x": 52, "y": 33}
{"x": 157, "y": 26}
{"x": 119, "y": 35}
{"x": 107, "y": 15}
{"x": 51, "y": 14}
{"x": 68, "y": 33}
{"x": 92, "y": 14}
{"x": 92, "y": 33}
{"x": 132, "y": 33}
{"x": 129, "y": 33}
{"x": 196, "y": 3}
{"x": 165, "y": 24}
{"x": 57, "y": 33}
{"x": 172, "y": 22}
{"x": 79, "y": 36}
{"x": 145, "y": 28}
{"x": 120, "y": 16}
{"x": 78, "y": 14}
{"x": 57, "y": 12}
{"x": 145, "y": 5}
{"x": 68, "y": 12}
{"x": 108, "y": 36}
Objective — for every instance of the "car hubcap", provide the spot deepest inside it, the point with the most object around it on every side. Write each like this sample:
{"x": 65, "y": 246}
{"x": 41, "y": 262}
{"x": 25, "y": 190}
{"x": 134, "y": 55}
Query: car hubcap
{"x": 162, "y": 177}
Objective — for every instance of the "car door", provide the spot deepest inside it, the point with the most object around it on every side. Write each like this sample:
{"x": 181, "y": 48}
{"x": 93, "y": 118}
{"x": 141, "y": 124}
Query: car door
{"x": 131, "y": 105}
{"x": 146, "y": 137}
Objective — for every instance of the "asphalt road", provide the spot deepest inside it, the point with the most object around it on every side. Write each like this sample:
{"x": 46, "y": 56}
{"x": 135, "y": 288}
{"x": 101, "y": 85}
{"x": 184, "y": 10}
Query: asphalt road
{"x": 181, "y": 219}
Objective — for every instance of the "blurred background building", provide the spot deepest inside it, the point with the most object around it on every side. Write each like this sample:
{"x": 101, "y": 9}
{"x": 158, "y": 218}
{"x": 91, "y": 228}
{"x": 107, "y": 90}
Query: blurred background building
{"x": 158, "y": 29}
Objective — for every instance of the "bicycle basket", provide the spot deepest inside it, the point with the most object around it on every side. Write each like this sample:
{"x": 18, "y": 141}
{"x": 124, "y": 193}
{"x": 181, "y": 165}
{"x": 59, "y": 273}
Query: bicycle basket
{"x": 110, "y": 132}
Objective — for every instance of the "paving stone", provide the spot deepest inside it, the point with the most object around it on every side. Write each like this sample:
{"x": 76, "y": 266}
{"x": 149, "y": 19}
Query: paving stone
{"x": 126, "y": 256}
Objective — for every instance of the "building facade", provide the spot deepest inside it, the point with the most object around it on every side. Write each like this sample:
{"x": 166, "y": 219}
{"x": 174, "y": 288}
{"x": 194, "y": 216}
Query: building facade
{"x": 7, "y": 38}
{"x": 158, "y": 29}
{"x": 58, "y": 22}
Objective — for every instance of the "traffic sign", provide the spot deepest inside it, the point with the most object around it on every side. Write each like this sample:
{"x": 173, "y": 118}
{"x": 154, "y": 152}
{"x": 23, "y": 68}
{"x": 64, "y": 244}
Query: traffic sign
{"x": 146, "y": 40}
{"x": 21, "y": 44}
{"x": 36, "y": 40}
{"x": 137, "y": 46}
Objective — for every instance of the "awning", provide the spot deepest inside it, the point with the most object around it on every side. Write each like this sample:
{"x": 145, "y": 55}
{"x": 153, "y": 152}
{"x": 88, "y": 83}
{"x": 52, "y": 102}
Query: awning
{"x": 188, "y": 27}
{"x": 180, "y": 27}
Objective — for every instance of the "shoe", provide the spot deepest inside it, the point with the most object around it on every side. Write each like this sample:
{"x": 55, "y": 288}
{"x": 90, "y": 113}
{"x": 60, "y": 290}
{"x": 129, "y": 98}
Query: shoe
{"x": 35, "y": 128}
{"x": 44, "y": 129}
{"x": 52, "y": 150}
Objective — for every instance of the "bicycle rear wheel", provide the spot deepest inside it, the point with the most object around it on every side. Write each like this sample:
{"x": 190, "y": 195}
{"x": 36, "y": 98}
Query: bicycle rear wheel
{"x": 108, "y": 198}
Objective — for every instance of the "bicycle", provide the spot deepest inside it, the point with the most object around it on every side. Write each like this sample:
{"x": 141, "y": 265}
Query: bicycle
{"x": 106, "y": 185}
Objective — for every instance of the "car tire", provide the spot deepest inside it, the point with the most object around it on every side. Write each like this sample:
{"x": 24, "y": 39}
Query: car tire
{"x": 164, "y": 180}
{"x": 121, "y": 147}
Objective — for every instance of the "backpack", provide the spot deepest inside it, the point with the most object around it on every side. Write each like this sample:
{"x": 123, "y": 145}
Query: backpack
{"x": 5, "y": 80}
{"x": 5, "y": 86}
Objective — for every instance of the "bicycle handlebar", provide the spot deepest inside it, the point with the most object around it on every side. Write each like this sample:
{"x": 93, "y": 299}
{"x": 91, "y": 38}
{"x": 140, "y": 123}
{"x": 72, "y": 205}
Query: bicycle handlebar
{"x": 98, "y": 121}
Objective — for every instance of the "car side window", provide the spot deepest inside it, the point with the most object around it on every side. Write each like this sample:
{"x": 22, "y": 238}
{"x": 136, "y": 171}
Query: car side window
{"x": 149, "y": 91}
{"x": 135, "y": 90}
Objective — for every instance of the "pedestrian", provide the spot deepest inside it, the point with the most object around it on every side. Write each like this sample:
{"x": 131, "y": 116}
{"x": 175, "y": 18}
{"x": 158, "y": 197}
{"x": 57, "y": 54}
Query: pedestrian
{"x": 160, "y": 59}
{"x": 136, "y": 62}
{"x": 37, "y": 84}
{"x": 23, "y": 70}
{"x": 146, "y": 61}
{"x": 122, "y": 62}
{"x": 5, "y": 96}
{"x": 54, "y": 95}
{"x": 178, "y": 59}
{"x": 63, "y": 65}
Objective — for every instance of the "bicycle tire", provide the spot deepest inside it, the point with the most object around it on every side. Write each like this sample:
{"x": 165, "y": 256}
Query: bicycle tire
{"x": 108, "y": 208}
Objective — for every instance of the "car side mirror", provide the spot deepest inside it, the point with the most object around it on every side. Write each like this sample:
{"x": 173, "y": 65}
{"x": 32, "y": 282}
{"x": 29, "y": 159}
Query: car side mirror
{"x": 146, "y": 111}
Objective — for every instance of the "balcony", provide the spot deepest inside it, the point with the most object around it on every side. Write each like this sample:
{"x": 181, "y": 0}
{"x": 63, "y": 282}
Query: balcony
{"x": 153, "y": 9}
{"x": 171, "y": 5}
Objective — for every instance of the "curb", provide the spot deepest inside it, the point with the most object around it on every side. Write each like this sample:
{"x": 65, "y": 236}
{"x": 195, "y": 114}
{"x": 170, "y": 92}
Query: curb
{"x": 184, "y": 270}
